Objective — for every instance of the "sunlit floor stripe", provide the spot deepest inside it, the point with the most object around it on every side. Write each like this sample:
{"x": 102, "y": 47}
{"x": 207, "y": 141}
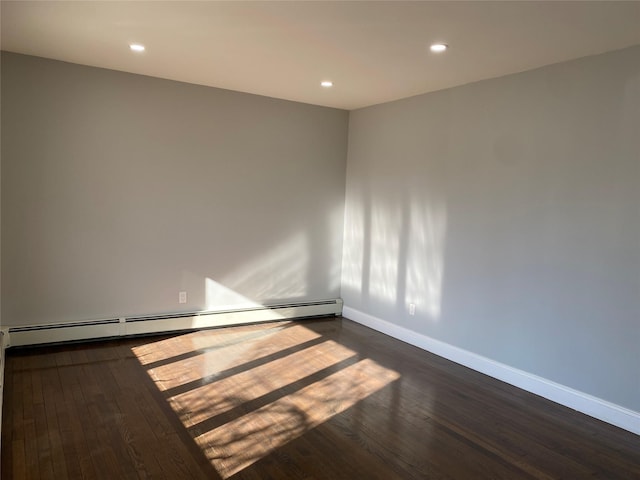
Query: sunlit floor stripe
{"x": 217, "y": 359}
{"x": 215, "y": 339}
{"x": 243, "y": 441}
{"x": 199, "y": 404}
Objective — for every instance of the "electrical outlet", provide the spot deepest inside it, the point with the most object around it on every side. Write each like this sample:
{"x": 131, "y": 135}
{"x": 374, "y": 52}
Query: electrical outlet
{"x": 412, "y": 309}
{"x": 182, "y": 297}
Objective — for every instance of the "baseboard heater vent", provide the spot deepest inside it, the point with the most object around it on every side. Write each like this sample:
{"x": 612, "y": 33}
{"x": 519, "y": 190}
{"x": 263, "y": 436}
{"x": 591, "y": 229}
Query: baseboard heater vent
{"x": 62, "y": 332}
{"x": 118, "y": 327}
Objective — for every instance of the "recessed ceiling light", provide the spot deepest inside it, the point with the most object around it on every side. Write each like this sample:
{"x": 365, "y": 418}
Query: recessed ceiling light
{"x": 438, "y": 47}
{"x": 327, "y": 84}
{"x": 136, "y": 47}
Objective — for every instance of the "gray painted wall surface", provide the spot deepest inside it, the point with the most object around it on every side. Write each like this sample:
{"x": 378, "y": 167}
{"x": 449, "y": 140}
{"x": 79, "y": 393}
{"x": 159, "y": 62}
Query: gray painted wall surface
{"x": 118, "y": 191}
{"x": 508, "y": 212}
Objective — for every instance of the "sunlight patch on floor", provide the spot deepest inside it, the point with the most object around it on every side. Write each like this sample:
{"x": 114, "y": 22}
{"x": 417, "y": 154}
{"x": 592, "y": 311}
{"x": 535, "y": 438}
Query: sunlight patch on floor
{"x": 203, "y": 340}
{"x": 243, "y": 393}
{"x": 212, "y": 360}
{"x": 198, "y": 404}
{"x": 246, "y": 439}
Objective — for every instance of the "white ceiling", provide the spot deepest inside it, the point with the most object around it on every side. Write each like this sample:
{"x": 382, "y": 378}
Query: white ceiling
{"x": 373, "y": 51}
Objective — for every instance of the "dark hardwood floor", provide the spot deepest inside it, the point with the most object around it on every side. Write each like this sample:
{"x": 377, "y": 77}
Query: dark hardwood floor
{"x": 318, "y": 399}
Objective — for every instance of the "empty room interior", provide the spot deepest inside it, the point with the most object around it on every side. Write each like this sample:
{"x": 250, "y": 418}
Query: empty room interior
{"x": 320, "y": 240}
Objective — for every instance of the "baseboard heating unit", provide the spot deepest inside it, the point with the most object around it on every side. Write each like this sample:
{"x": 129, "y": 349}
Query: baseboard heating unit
{"x": 141, "y": 325}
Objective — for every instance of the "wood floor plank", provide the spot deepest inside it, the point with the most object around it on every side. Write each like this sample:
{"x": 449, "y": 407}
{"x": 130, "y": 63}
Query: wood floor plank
{"x": 31, "y": 450}
{"x": 72, "y": 411}
{"x": 18, "y": 465}
{"x": 311, "y": 400}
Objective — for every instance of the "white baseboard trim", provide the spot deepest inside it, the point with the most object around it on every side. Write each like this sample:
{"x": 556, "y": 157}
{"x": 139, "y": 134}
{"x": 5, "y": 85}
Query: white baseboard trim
{"x": 582, "y": 402}
{"x": 119, "y": 327}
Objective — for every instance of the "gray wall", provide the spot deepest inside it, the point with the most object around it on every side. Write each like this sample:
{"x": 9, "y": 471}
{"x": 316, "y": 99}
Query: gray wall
{"x": 508, "y": 211}
{"x": 118, "y": 191}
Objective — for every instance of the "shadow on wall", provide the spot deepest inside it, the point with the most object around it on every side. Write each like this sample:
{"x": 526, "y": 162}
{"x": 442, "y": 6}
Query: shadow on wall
{"x": 507, "y": 212}
{"x": 277, "y": 274}
{"x": 394, "y": 253}
{"x": 302, "y": 266}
